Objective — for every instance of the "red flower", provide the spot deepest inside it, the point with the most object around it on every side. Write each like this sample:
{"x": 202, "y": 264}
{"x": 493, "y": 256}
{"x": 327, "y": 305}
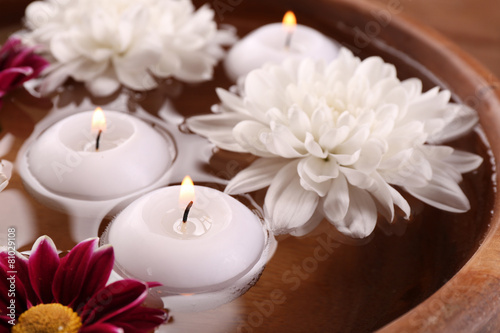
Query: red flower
{"x": 71, "y": 292}
{"x": 18, "y": 64}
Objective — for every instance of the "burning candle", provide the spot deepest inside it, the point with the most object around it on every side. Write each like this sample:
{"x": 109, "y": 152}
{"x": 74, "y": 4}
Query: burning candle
{"x": 192, "y": 239}
{"x": 93, "y": 163}
{"x": 275, "y": 42}
{"x": 102, "y": 162}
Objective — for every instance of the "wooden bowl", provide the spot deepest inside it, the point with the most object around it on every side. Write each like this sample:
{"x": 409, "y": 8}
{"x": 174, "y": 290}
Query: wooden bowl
{"x": 438, "y": 273}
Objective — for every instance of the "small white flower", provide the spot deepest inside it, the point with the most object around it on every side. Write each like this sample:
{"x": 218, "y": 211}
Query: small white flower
{"x": 333, "y": 139}
{"x": 5, "y": 173}
{"x": 113, "y": 42}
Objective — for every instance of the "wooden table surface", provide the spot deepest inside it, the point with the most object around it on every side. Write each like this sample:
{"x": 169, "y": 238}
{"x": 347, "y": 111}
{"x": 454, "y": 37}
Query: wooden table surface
{"x": 475, "y": 27}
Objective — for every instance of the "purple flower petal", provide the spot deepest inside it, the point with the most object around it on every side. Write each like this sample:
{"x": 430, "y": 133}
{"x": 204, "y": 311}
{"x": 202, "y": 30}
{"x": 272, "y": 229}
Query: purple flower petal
{"x": 140, "y": 319}
{"x": 43, "y": 264}
{"x": 25, "y": 296}
{"x": 68, "y": 280}
{"x": 12, "y": 77}
{"x": 18, "y": 64}
{"x": 116, "y": 298}
{"x": 4, "y": 324}
{"x": 97, "y": 275}
{"x": 7, "y": 48}
{"x": 100, "y": 328}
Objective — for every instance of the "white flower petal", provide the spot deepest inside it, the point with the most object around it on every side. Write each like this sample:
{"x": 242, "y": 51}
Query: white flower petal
{"x": 104, "y": 85}
{"x": 333, "y": 137}
{"x": 400, "y": 202}
{"x": 442, "y": 192}
{"x": 248, "y": 134}
{"x": 61, "y": 48}
{"x": 318, "y": 169}
{"x": 462, "y": 122}
{"x": 315, "y": 174}
{"x": 463, "y": 161}
{"x": 299, "y": 122}
{"x": 361, "y": 217}
{"x": 218, "y": 128}
{"x": 194, "y": 68}
{"x": 382, "y": 196}
{"x": 313, "y": 147}
{"x": 231, "y": 101}
{"x": 287, "y": 204}
{"x": 346, "y": 159}
{"x": 258, "y": 175}
{"x": 168, "y": 64}
{"x": 336, "y": 201}
{"x": 281, "y": 141}
{"x": 357, "y": 178}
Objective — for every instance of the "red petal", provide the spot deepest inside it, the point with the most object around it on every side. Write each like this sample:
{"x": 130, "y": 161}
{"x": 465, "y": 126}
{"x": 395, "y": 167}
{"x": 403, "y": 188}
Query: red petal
{"x": 9, "y": 46}
{"x": 25, "y": 296}
{"x": 13, "y": 77}
{"x": 116, "y": 298}
{"x": 4, "y": 324}
{"x": 43, "y": 264}
{"x": 142, "y": 319}
{"x": 97, "y": 274}
{"x": 100, "y": 328}
{"x": 68, "y": 280}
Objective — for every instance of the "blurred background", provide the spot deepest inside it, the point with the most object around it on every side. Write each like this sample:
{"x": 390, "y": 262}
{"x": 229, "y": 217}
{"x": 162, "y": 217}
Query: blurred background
{"x": 472, "y": 24}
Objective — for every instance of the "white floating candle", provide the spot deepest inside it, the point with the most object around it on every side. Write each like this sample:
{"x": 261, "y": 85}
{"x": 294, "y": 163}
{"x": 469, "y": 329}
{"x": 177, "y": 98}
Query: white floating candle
{"x": 220, "y": 243}
{"x": 275, "y": 42}
{"x": 131, "y": 155}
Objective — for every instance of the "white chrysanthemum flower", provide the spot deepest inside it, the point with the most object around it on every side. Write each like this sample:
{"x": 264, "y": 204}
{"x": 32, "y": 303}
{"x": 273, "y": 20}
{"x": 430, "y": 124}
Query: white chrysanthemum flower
{"x": 334, "y": 139}
{"x": 113, "y": 42}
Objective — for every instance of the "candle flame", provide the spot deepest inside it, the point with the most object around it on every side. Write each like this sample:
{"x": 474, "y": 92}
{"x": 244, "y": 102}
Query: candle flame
{"x": 98, "y": 120}
{"x": 289, "y": 21}
{"x": 187, "y": 192}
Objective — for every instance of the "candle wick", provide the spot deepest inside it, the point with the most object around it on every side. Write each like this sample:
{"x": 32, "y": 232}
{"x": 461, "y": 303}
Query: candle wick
{"x": 288, "y": 39}
{"x": 186, "y": 212}
{"x": 98, "y": 140}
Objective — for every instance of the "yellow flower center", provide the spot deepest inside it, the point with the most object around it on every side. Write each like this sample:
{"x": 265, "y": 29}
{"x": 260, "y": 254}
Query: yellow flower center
{"x": 48, "y": 318}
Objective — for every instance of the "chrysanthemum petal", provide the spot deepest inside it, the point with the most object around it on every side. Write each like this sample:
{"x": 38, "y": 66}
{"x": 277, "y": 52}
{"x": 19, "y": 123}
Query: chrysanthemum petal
{"x": 279, "y": 140}
{"x": 249, "y": 135}
{"x": 119, "y": 297}
{"x": 287, "y": 204}
{"x": 337, "y": 200}
{"x": 464, "y": 161}
{"x": 313, "y": 147}
{"x": 43, "y": 264}
{"x": 12, "y": 77}
{"x": 102, "y": 328}
{"x": 140, "y": 319}
{"x": 97, "y": 274}
{"x": 361, "y": 216}
{"x": 68, "y": 280}
{"x": 258, "y": 175}
{"x": 231, "y": 101}
{"x": 103, "y": 85}
{"x": 218, "y": 128}
{"x": 442, "y": 192}
{"x": 462, "y": 122}
{"x": 25, "y": 296}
